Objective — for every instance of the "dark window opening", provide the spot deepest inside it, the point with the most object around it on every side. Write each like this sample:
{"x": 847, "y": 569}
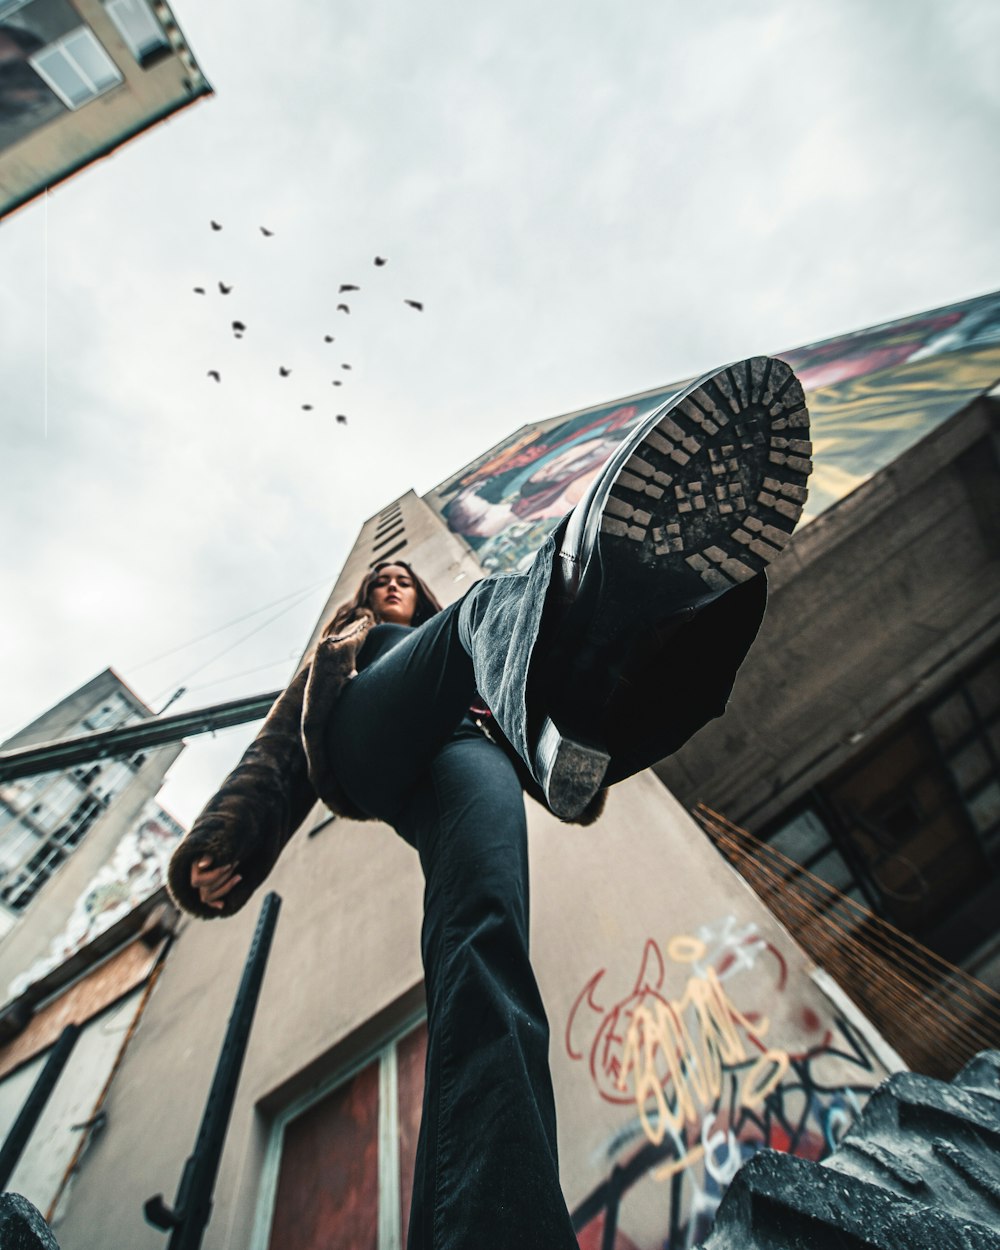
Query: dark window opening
{"x": 388, "y": 539}
{"x": 386, "y": 554}
{"x": 911, "y": 825}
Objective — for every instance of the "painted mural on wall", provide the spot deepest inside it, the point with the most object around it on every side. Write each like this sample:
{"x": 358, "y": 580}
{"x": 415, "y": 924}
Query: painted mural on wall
{"x": 701, "y": 1080}
{"x": 136, "y": 870}
{"x": 872, "y": 394}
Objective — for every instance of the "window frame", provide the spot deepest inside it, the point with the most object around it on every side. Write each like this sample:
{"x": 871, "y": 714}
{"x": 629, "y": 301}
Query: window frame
{"x": 58, "y": 47}
{"x": 391, "y": 1236}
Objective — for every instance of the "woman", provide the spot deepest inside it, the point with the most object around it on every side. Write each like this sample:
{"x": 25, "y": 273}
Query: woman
{"x": 621, "y": 640}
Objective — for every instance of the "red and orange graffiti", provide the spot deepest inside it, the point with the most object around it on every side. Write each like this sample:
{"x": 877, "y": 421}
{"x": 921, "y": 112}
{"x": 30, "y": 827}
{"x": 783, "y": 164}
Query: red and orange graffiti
{"x": 670, "y": 1056}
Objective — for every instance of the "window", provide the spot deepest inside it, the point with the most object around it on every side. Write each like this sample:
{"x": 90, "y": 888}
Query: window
{"x": 137, "y": 25}
{"x": 966, "y": 726}
{"x": 76, "y": 67}
{"x": 913, "y": 820}
{"x": 28, "y": 861}
{"x": 808, "y": 839}
{"x": 345, "y": 1173}
{"x": 391, "y": 534}
{"x": 55, "y": 802}
{"x": 115, "y": 776}
{"x": 17, "y": 842}
{"x": 117, "y": 711}
{"x": 386, "y": 554}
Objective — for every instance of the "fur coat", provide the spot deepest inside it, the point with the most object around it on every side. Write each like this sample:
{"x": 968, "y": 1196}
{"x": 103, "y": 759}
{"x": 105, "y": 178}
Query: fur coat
{"x": 276, "y": 784}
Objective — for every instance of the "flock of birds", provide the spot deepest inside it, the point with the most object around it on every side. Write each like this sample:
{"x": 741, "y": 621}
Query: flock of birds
{"x": 239, "y": 328}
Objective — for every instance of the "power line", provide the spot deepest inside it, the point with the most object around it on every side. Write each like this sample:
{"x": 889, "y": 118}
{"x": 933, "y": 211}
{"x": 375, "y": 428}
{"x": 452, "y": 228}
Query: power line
{"x": 225, "y": 650}
{"x": 247, "y": 672}
{"x": 302, "y": 590}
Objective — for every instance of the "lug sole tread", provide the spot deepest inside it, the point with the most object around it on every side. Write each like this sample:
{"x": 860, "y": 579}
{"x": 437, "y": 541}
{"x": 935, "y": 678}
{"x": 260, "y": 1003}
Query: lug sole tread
{"x": 717, "y": 486}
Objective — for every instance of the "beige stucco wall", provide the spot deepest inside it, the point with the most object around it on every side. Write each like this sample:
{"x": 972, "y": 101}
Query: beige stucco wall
{"x": 644, "y": 935}
{"x": 641, "y": 890}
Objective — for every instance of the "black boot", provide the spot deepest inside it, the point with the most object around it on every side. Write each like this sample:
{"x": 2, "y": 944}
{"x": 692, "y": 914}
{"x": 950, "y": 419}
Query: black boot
{"x": 698, "y": 499}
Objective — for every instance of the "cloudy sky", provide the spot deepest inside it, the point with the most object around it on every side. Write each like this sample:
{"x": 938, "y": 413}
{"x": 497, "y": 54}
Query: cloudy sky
{"x": 591, "y": 199}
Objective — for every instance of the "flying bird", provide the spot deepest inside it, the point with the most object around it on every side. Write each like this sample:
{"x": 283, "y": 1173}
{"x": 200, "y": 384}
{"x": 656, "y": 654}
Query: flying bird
{"x": 283, "y": 371}
{"x": 343, "y": 308}
{"x": 342, "y": 420}
{"x": 327, "y": 338}
{"x": 380, "y": 260}
{"x": 225, "y": 289}
{"x": 199, "y": 290}
{"x": 214, "y": 373}
{"x": 345, "y": 366}
{"x": 414, "y": 303}
{"x": 238, "y": 327}
{"x": 347, "y": 286}
{"x": 307, "y": 407}
{"x": 338, "y": 382}
{"x": 215, "y": 225}
{"x": 265, "y": 232}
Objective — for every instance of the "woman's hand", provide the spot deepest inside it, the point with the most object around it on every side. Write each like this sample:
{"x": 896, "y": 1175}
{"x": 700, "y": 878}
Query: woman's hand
{"x": 213, "y": 884}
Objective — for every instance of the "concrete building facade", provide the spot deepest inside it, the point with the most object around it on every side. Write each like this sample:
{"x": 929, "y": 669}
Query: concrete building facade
{"x": 58, "y": 58}
{"x": 59, "y": 830}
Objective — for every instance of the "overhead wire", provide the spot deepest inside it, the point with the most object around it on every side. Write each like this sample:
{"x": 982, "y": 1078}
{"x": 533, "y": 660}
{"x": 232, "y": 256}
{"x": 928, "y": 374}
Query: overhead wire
{"x": 882, "y": 981}
{"x": 134, "y": 668}
{"x": 247, "y": 672}
{"x": 225, "y": 651}
{"x": 896, "y": 972}
{"x": 896, "y": 944}
{"x": 893, "y": 935}
{"x": 885, "y": 992}
{"x": 916, "y": 969}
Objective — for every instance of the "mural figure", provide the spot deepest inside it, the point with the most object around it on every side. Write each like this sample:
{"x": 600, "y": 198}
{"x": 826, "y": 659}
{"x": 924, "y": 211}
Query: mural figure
{"x": 872, "y": 394}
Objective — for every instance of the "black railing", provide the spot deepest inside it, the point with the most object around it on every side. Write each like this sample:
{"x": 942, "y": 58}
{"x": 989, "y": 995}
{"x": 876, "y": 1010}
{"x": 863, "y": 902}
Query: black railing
{"x": 34, "y": 1104}
{"x": 187, "y": 1218}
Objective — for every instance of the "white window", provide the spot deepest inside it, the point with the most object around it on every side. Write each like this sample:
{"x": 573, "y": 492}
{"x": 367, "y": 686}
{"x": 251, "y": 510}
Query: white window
{"x": 54, "y": 804}
{"x": 138, "y": 27}
{"x": 76, "y": 67}
{"x": 112, "y": 714}
{"x": 23, "y": 793}
{"x": 113, "y": 779}
{"x": 18, "y": 843}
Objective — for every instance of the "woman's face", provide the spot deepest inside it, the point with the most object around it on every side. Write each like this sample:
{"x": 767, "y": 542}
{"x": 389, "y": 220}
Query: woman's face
{"x": 393, "y": 596}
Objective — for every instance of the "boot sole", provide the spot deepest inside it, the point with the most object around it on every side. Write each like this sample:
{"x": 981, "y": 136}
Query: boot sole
{"x": 705, "y": 496}
{"x": 708, "y": 497}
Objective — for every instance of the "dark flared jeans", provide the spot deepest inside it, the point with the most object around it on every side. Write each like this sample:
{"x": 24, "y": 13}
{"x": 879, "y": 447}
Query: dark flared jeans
{"x": 408, "y": 753}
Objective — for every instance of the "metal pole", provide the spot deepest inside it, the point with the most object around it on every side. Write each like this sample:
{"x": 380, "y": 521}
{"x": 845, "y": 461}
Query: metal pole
{"x": 34, "y": 1105}
{"x": 187, "y": 1219}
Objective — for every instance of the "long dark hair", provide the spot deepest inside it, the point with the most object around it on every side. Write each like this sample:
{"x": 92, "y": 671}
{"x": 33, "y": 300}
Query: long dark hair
{"x": 427, "y": 604}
